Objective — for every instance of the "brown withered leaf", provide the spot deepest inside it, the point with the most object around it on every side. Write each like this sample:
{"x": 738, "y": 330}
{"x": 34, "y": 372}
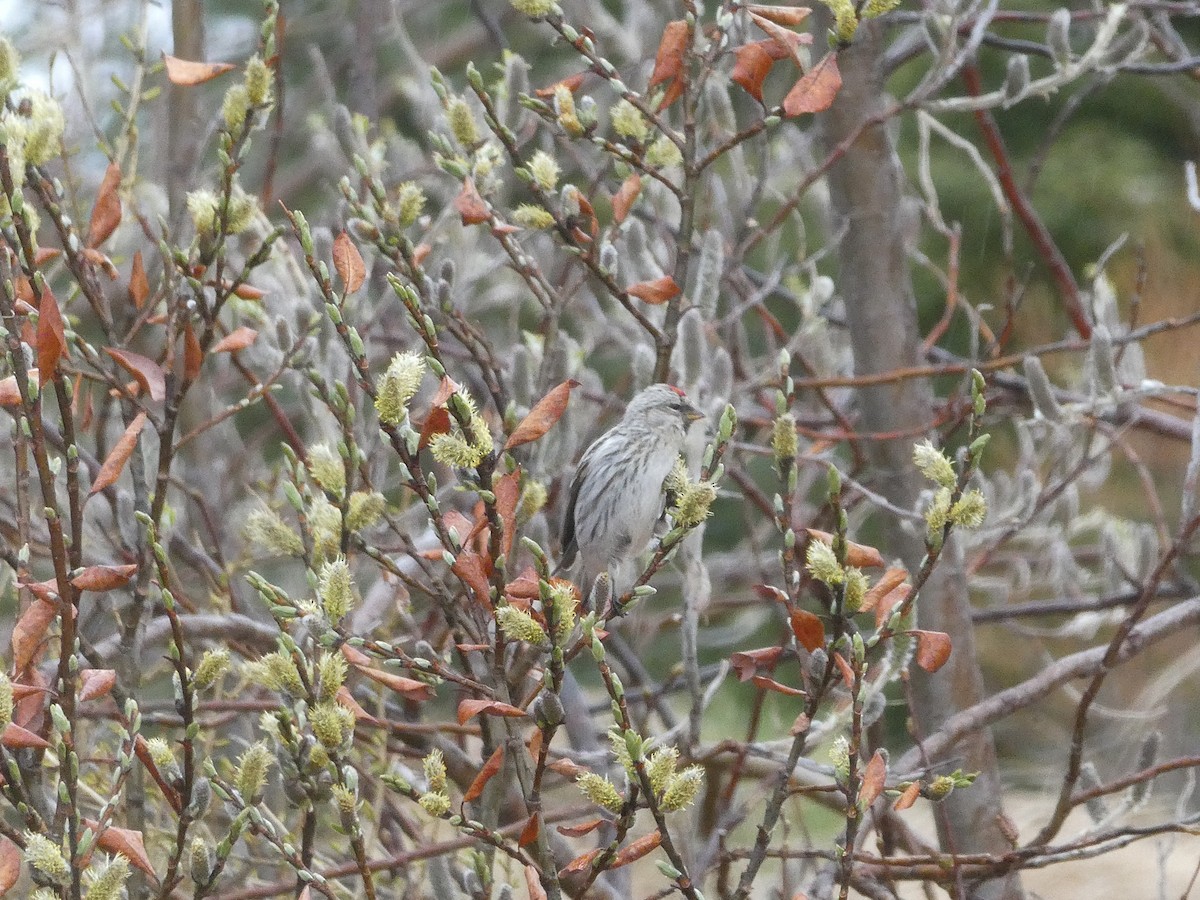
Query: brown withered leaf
{"x": 623, "y": 200}
{"x": 752, "y": 68}
{"x": 880, "y": 589}
{"x": 844, "y": 668}
{"x": 470, "y": 206}
{"x": 104, "y": 578}
{"x": 781, "y": 15}
{"x": 187, "y": 73}
{"x": 238, "y": 339}
{"x": 808, "y": 629}
{"x": 139, "y": 284}
{"x": 572, "y": 83}
{"x": 909, "y": 797}
{"x": 507, "y": 489}
{"x": 674, "y": 92}
{"x": 95, "y": 683}
{"x": 639, "y": 848}
{"x": 29, "y": 631}
{"x": 660, "y": 290}
{"x": 406, "y": 687}
{"x": 873, "y": 779}
{"x": 10, "y": 394}
{"x": 473, "y": 569}
{"x": 859, "y": 555}
{"x": 446, "y": 387}
{"x": 51, "y": 338}
{"x": 193, "y": 355}
{"x": 816, "y": 89}
{"x": 10, "y": 865}
{"x": 469, "y": 709}
{"x": 747, "y": 662}
{"x": 125, "y": 841}
{"x": 346, "y": 700}
{"x": 770, "y": 684}
{"x": 437, "y": 422}
{"x": 489, "y": 771}
{"x": 349, "y": 263}
{"x": 529, "y": 834}
{"x": 542, "y": 417}
{"x": 106, "y": 214}
{"x": 43, "y": 255}
{"x": 533, "y": 884}
{"x": 890, "y": 601}
{"x": 581, "y": 829}
{"x": 114, "y": 464}
{"x": 145, "y": 371}
{"x": 933, "y": 649}
{"x": 249, "y": 292}
{"x": 579, "y": 864}
{"x": 22, "y": 738}
{"x": 668, "y": 62}
{"x": 784, "y": 39}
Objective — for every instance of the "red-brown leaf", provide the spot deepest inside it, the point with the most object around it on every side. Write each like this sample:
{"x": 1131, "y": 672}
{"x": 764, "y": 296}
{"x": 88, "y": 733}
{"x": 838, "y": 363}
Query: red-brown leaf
{"x": 238, "y": 339}
{"x": 909, "y": 797}
{"x": 579, "y": 863}
{"x": 187, "y": 73}
{"x": 145, "y": 371}
{"x": 406, "y": 687}
{"x": 10, "y": 395}
{"x": 751, "y": 69}
{"x": 581, "y": 829}
{"x": 884, "y": 586}
{"x": 10, "y": 865}
{"x": 139, "y": 284}
{"x": 469, "y": 709}
{"x": 106, "y": 214}
{"x": 660, "y": 290}
{"x": 890, "y": 601}
{"x": 486, "y": 774}
{"x": 349, "y": 263}
{"x": 508, "y": 492}
{"x": 104, "y": 578}
{"x": 43, "y": 255}
{"x": 249, "y": 292}
{"x": 623, "y": 201}
{"x": 530, "y": 832}
{"x": 674, "y": 92}
{"x": 572, "y": 83}
{"x": 637, "y": 849}
{"x": 125, "y": 841}
{"x": 747, "y": 662}
{"x": 873, "y": 780}
{"x": 29, "y": 631}
{"x": 859, "y": 555}
{"x": 784, "y": 39}
{"x": 533, "y": 884}
{"x": 95, "y": 683}
{"x": 668, "y": 62}
{"x": 781, "y": 15}
{"x": 933, "y": 649}
{"x": 51, "y": 338}
{"x": 542, "y": 417}
{"x": 473, "y": 570}
{"x": 21, "y": 738}
{"x": 346, "y": 700}
{"x": 800, "y": 725}
{"x": 770, "y": 684}
{"x": 437, "y": 422}
{"x": 470, "y": 206}
{"x": 193, "y": 355}
{"x": 118, "y": 456}
{"x": 844, "y": 668}
{"x": 808, "y": 629}
{"x": 815, "y": 90}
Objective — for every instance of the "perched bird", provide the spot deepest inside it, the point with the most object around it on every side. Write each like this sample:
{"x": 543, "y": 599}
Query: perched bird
{"x": 617, "y": 495}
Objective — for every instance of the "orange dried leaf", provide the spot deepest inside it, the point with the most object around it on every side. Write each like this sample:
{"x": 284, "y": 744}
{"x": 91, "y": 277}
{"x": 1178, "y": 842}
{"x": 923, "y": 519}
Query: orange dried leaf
{"x": 890, "y": 601}
{"x": 145, "y": 371}
{"x": 674, "y": 92}
{"x": 43, "y": 255}
{"x": 139, "y": 284}
{"x": 104, "y": 578}
{"x": 349, "y": 263}
{"x": 106, "y": 214}
{"x": 815, "y": 90}
{"x": 751, "y": 69}
{"x": 859, "y": 555}
{"x": 188, "y": 73}
{"x": 530, "y": 832}
{"x": 473, "y": 570}
{"x": 118, "y": 456}
{"x": 668, "y": 62}
{"x": 909, "y": 797}
{"x": 29, "y": 631}
{"x": 581, "y": 829}
{"x": 10, "y": 394}
{"x": 784, "y": 39}
{"x": 125, "y": 841}
{"x": 623, "y": 201}
{"x": 808, "y": 629}
{"x": 21, "y": 738}
{"x": 346, "y": 700}
{"x": 508, "y": 492}
{"x": 572, "y": 83}
{"x": 579, "y": 863}
{"x": 873, "y": 780}
{"x": 96, "y": 683}
{"x": 542, "y": 417}
{"x": 51, "y": 338}
{"x": 660, "y": 290}
{"x": 249, "y": 292}
{"x": 888, "y": 581}
{"x": 10, "y": 865}
{"x": 406, "y": 687}
{"x": 437, "y": 422}
{"x": 470, "y": 206}
{"x": 486, "y": 774}
{"x": 844, "y": 668}
{"x": 193, "y": 355}
{"x": 637, "y": 849}
{"x": 747, "y": 662}
{"x": 770, "y": 684}
{"x": 238, "y": 339}
{"x": 933, "y": 649}
{"x": 533, "y": 884}
{"x": 469, "y": 709}
{"x": 781, "y": 15}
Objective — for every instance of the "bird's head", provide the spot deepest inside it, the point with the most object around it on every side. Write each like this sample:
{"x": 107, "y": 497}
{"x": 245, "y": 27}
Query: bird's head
{"x": 662, "y": 406}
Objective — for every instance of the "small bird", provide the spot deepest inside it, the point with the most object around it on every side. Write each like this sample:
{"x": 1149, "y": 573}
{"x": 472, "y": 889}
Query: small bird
{"x": 617, "y": 495}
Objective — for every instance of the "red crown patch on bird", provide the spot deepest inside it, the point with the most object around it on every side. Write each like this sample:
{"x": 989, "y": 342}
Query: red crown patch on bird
{"x": 679, "y": 391}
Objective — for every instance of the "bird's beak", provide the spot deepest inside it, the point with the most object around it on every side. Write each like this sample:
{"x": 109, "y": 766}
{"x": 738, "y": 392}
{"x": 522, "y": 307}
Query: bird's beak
{"x": 693, "y": 415}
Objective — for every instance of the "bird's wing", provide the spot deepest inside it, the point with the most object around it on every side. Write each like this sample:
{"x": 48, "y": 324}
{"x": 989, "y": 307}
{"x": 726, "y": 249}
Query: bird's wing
{"x": 568, "y": 543}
